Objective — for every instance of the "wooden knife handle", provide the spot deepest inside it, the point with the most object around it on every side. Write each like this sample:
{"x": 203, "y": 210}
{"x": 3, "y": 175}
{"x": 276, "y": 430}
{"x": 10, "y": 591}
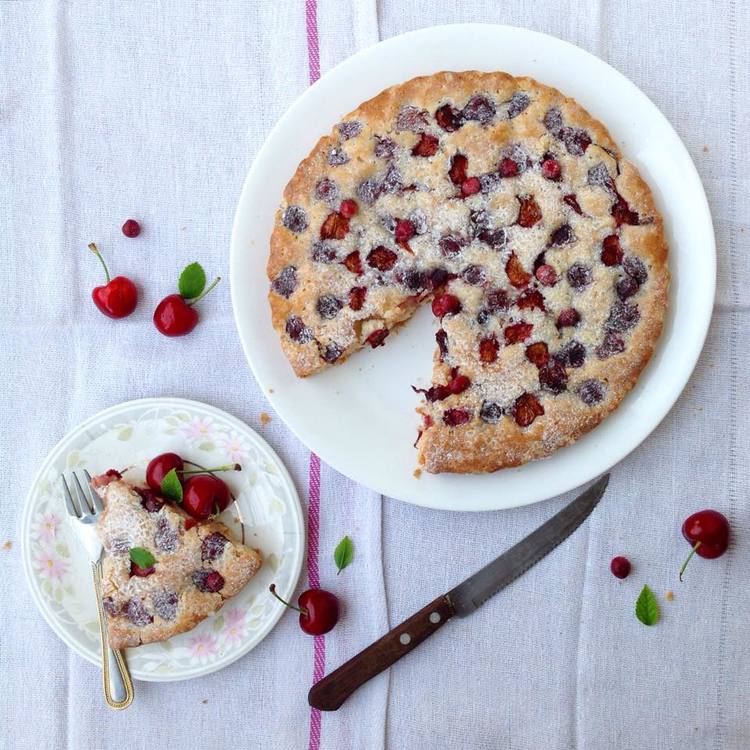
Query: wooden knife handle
{"x": 330, "y": 692}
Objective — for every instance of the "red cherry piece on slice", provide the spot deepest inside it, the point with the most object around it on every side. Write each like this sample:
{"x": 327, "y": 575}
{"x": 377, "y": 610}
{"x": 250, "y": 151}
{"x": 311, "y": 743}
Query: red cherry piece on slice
{"x": 488, "y": 350}
{"x": 377, "y": 338}
{"x": 571, "y": 200}
{"x": 546, "y": 275}
{"x": 517, "y": 332}
{"x": 131, "y": 228}
{"x": 529, "y": 212}
{"x": 458, "y": 171}
{"x": 138, "y": 571}
{"x": 531, "y": 299}
{"x": 357, "y": 297}
{"x": 526, "y": 409}
{"x": 508, "y": 168}
{"x": 458, "y": 384}
{"x": 353, "y": 262}
{"x": 568, "y": 317}
{"x": 620, "y": 567}
{"x": 381, "y": 258}
{"x": 611, "y": 251}
{"x": 455, "y": 417}
{"x": 470, "y": 186}
{"x": 404, "y": 230}
{"x": 427, "y": 146}
{"x": 335, "y": 227}
{"x": 517, "y": 275}
{"x": 551, "y": 169}
{"x": 445, "y": 304}
{"x": 348, "y": 208}
{"x": 538, "y": 353}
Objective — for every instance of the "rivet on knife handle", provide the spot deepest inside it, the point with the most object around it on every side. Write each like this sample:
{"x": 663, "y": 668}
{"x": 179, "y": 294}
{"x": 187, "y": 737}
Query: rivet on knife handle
{"x": 330, "y": 692}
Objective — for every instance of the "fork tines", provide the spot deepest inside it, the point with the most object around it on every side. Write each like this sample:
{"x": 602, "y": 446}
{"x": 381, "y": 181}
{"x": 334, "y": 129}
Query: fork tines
{"x": 86, "y": 503}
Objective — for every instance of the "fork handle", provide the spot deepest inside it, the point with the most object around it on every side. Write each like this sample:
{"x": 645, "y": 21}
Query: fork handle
{"x": 118, "y": 687}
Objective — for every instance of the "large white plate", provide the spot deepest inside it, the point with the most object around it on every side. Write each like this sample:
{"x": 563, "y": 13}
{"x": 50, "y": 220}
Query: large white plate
{"x": 129, "y": 435}
{"x": 359, "y": 417}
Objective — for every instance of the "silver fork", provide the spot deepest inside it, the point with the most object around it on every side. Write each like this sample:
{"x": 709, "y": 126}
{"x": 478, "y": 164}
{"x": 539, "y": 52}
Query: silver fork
{"x": 84, "y": 512}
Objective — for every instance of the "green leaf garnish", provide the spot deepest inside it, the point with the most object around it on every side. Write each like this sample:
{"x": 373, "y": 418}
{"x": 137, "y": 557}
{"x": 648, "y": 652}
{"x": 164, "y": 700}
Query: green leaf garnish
{"x": 646, "y": 607}
{"x": 142, "y": 557}
{"x": 343, "y": 554}
{"x": 192, "y": 281}
{"x": 171, "y": 486}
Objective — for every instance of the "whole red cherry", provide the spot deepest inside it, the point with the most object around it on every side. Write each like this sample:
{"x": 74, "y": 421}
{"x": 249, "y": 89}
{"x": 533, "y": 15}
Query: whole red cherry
{"x": 708, "y": 532}
{"x": 160, "y": 466}
{"x": 205, "y": 495}
{"x": 175, "y": 317}
{"x": 118, "y": 297}
{"x": 318, "y": 610}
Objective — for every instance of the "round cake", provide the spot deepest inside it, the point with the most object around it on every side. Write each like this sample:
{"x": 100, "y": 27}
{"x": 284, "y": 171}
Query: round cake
{"x": 509, "y": 208}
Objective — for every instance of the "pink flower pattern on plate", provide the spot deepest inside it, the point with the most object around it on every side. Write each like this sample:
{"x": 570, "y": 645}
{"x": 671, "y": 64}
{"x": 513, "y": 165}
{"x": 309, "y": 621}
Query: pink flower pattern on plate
{"x": 50, "y": 566}
{"x": 234, "y": 447}
{"x": 202, "y": 647}
{"x": 198, "y": 429}
{"x": 234, "y": 631}
{"x": 46, "y": 526}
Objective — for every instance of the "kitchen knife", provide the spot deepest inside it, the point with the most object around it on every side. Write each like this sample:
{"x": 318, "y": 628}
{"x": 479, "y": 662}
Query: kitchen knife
{"x": 329, "y": 693}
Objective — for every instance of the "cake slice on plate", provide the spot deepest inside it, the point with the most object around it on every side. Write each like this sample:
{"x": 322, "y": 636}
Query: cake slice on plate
{"x": 163, "y": 572}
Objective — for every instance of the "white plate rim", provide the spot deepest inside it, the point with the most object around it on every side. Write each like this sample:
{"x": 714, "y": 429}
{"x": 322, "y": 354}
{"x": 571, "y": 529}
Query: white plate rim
{"x": 703, "y": 307}
{"x": 108, "y": 413}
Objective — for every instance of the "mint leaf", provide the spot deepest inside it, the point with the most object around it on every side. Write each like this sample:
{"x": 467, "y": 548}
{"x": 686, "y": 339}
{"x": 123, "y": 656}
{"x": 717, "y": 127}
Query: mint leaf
{"x": 142, "y": 557}
{"x": 171, "y": 487}
{"x": 192, "y": 281}
{"x": 343, "y": 554}
{"x": 646, "y": 607}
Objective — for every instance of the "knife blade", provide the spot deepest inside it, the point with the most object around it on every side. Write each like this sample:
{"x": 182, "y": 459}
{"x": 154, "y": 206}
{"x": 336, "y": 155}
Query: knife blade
{"x": 494, "y": 577}
{"x": 329, "y": 693}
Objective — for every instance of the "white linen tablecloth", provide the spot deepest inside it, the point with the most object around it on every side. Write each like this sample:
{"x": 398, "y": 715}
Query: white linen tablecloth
{"x": 155, "y": 109}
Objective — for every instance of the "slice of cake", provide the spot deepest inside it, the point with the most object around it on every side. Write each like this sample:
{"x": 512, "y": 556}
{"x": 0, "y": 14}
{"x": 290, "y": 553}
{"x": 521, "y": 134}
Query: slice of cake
{"x": 163, "y": 571}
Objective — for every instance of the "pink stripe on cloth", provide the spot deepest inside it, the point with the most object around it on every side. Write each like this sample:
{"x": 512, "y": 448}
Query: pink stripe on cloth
{"x": 313, "y": 51}
{"x": 313, "y": 523}
{"x": 313, "y": 577}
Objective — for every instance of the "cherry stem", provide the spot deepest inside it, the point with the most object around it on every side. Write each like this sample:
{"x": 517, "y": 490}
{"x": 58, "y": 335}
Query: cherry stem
{"x": 692, "y": 552}
{"x": 272, "y": 589}
{"x": 200, "y": 470}
{"x": 205, "y": 291}
{"x": 94, "y": 249}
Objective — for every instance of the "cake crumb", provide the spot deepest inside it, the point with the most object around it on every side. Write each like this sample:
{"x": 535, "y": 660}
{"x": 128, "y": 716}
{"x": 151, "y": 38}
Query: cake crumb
{"x": 264, "y": 418}
{"x": 669, "y": 596}
{"x": 705, "y": 148}
{"x": 8, "y": 545}
{"x": 417, "y": 473}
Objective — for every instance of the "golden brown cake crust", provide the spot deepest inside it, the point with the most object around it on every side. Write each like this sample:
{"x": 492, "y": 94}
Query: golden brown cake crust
{"x": 173, "y": 598}
{"x": 492, "y": 119}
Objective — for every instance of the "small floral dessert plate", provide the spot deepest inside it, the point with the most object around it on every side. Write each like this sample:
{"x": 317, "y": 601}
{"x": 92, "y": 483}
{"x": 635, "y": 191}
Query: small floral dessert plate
{"x": 267, "y": 509}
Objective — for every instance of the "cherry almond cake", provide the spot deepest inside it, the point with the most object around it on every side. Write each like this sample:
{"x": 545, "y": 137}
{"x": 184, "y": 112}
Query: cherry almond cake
{"x": 196, "y": 566}
{"x": 510, "y": 209}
